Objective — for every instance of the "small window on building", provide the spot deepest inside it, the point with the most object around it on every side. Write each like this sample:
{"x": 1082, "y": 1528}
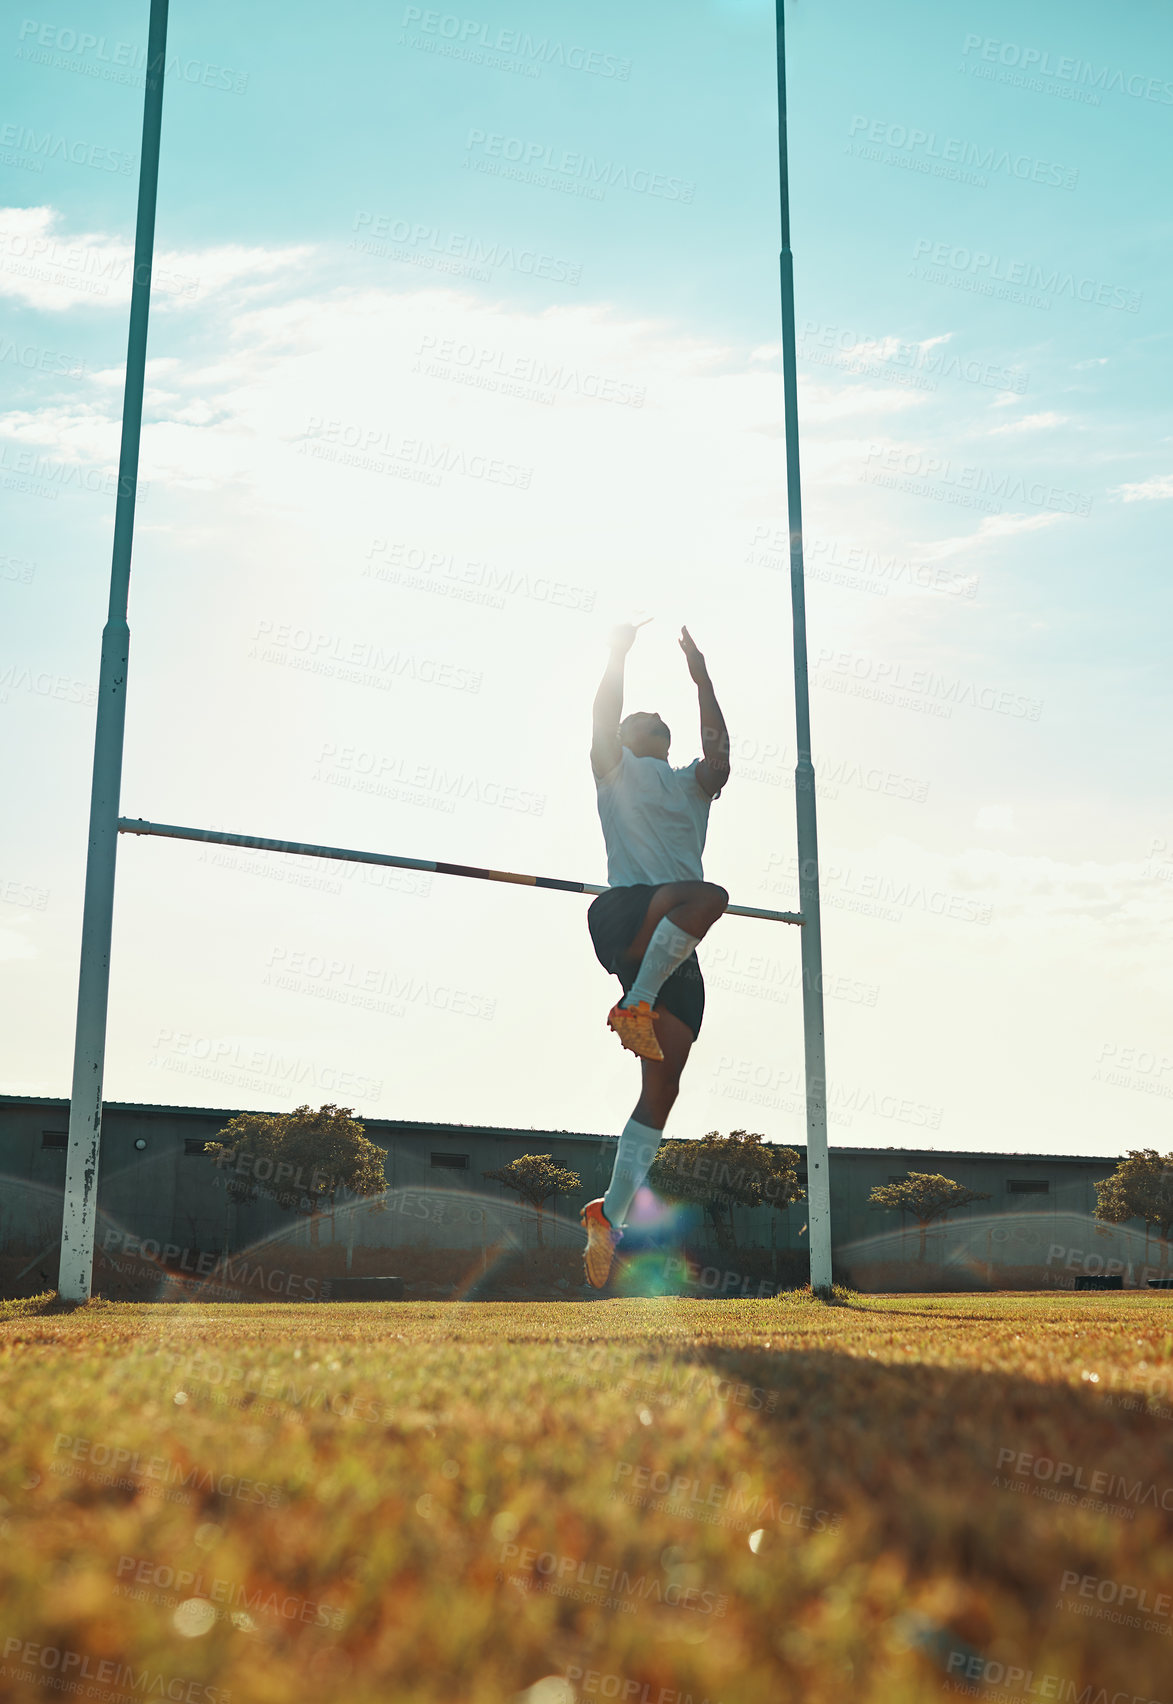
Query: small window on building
{"x": 54, "y": 1138}
{"x": 1027, "y": 1186}
{"x": 455, "y": 1162}
{"x": 194, "y": 1144}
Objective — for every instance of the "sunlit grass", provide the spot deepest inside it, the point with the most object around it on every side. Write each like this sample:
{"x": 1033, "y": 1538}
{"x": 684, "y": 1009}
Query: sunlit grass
{"x": 744, "y": 1501}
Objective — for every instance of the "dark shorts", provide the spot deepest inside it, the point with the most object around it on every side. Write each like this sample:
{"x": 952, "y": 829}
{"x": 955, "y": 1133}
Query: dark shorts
{"x": 614, "y": 921}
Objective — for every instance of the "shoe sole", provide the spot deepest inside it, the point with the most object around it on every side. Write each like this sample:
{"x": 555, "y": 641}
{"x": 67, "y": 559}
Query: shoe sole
{"x": 585, "y": 1223}
{"x": 658, "y": 1054}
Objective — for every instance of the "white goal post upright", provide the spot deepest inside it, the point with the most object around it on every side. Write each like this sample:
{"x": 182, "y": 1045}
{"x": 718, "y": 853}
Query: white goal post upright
{"x": 79, "y": 1213}
{"x": 818, "y": 1184}
{"x": 80, "y": 1206}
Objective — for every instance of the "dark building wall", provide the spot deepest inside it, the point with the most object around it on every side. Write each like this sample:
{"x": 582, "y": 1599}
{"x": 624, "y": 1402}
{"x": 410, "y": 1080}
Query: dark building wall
{"x": 172, "y": 1196}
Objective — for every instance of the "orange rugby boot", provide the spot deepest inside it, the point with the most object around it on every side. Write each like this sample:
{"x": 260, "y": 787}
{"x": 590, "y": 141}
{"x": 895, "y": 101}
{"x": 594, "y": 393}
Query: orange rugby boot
{"x": 601, "y": 1240}
{"x": 633, "y": 1025}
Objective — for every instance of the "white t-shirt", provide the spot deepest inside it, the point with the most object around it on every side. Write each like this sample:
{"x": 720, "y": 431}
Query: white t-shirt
{"x": 655, "y": 819}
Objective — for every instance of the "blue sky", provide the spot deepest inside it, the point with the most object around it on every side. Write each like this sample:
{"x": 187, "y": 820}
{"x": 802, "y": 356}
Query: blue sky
{"x": 464, "y": 346}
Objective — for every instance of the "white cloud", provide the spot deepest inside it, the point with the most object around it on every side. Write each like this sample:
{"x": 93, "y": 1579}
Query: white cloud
{"x": 1158, "y": 489}
{"x": 990, "y": 527}
{"x": 995, "y": 819}
{"x": 113, "y": 378}
{"x": 81, "y": 433}
{"x": 1030, "y": 423}
{"x": 53, "y": 270}
{"x": 1095, "y": 361}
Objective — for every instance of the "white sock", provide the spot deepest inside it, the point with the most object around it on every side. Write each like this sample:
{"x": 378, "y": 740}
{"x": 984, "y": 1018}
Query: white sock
{"x": 638, "y": 1146}
{"x": 668, "y": 948}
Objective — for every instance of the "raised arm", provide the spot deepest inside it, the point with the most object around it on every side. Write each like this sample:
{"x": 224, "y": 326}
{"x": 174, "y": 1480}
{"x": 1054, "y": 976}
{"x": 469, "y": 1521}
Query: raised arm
{"x": 712, "y": 771}
{"x": 605, "y": 745}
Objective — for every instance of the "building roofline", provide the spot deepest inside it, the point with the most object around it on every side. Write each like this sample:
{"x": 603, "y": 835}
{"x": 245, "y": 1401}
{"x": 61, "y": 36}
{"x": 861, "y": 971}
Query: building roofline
{"x": 427, "y": 1127}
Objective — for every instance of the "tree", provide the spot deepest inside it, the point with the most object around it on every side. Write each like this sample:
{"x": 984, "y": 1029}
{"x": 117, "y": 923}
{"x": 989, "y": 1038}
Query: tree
{"x": 301, "y": 1159}
{"x": 1141, "y": 1187}
{"x": 535, "y": 1177}
{"x": 719, "y": 1173}
{"x": 927, "y": 1196}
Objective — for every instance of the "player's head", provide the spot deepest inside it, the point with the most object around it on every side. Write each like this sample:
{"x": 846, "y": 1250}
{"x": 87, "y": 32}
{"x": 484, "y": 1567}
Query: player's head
{"x": 645, "y": 734}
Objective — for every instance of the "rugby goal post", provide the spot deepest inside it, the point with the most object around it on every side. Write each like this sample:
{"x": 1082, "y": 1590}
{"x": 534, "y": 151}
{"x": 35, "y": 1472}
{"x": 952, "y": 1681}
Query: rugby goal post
{"x": 80, "y": 1205}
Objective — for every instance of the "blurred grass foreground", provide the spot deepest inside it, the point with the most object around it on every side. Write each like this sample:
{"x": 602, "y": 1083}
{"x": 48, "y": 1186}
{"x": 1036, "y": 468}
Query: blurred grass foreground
{"x": 651, "y": 1500}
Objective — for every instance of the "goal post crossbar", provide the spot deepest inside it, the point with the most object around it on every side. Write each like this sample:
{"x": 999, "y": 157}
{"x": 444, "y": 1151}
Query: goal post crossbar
{"x": 301, "y": 849}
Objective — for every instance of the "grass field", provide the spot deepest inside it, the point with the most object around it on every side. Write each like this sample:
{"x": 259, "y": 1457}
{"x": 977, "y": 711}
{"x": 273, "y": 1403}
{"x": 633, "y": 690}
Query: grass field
{"x": 749, "y": 1502}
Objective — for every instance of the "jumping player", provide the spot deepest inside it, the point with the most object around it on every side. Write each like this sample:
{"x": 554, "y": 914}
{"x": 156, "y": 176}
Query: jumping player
{"x": 658, "y": 906}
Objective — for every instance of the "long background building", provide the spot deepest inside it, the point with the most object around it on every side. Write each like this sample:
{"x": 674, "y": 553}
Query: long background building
{"x": 162, "y": 1199}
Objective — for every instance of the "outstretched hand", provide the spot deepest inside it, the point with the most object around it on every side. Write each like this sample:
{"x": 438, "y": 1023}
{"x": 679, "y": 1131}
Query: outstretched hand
{"x": 696, "y": 662}
{"x": 623, "y": 637}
